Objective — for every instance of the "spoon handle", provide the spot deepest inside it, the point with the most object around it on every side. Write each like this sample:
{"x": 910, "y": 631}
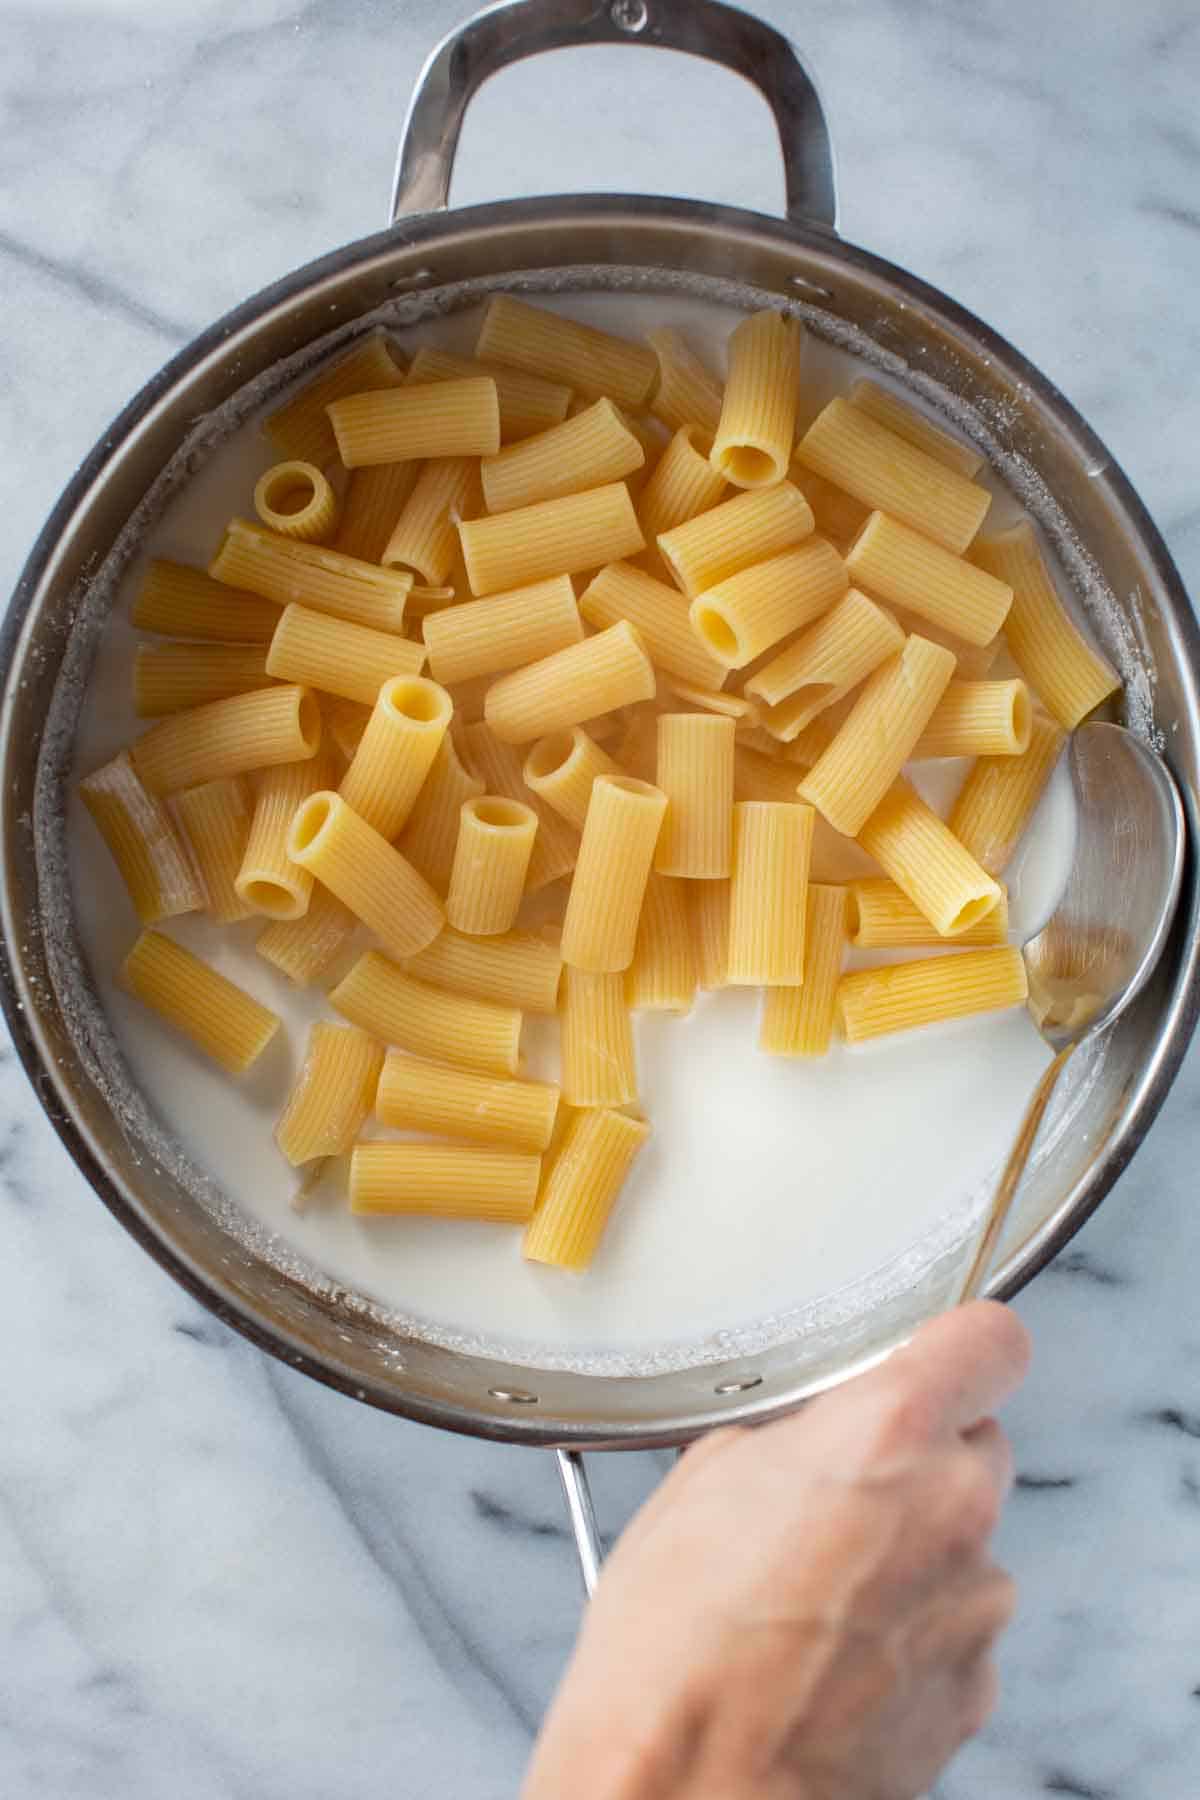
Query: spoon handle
{"x": 1014, "y": 1168}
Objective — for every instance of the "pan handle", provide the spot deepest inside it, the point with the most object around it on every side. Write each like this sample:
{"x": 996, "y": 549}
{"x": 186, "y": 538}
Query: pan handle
{"x": 515, "y": 29}
{"x": 582, "y": 1514}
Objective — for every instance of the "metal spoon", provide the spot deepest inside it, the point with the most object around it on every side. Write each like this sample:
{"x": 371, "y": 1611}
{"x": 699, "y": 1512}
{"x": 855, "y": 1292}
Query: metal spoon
{"x": 1107, "y": 932}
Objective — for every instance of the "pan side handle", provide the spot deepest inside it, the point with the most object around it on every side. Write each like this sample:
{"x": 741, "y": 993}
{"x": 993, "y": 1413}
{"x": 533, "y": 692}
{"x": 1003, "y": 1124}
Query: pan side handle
{"x": 513, "y": 30}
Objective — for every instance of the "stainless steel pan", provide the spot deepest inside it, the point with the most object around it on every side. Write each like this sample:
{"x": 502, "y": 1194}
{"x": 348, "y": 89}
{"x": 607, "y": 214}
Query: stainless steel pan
{"x": 428, "y": 261}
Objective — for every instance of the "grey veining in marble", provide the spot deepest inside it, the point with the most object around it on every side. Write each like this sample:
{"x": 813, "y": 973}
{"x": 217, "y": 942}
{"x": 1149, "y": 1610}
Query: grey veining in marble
{"x": 219, "y": 1581}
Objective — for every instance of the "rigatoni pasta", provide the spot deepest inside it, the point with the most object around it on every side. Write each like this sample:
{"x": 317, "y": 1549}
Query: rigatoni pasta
{"x": 520, "y": 969}
{"x": 882, "y": 917}
{"x": 893, "y": 708}
{"x": 322, "y": 580}
{"x": 220, "y": 1018}
{"x": 660, "y": 615}
{"x": 445, "y": 1181}
{"x": 491, "y": 862}
{"x": 487, "y": 1109}
{"x": 501, "y": 767}
{"x": 489, "y": 637}
{"x": 687, "y": 393}
{"x": 443, "y": 418}
{"x": 428, "y": 1021}
{"x": 372, "y": 503}
{"x": 979, "y": 718}
{"x": 596, "y": 363}
{"x": 624, "y": 818}
{"x": 307, "y": 948}
{"x": 432, "y": 830}
{"x": 396, "y": 752}
{"x": 730, "y": 537}
{"x": 772, "y": 844}
{"x": 593, "y": 447}
{"x": 561, "y": 768}
{"x": 997, "y": 800}
{"x": 338, "y": 657}
{"x": 708, "y": 912}
{"x": 898, "y": 564}
{"x": 170, "y": 678}
{"x": 180, "y": 602}
{"x": 925, "y": 858}
{"x": 301, "y": 429}
{"x": 269, "y": 881}
{"x": 296, "y": 500}
{"x": 824, "y": 664}
{"x": 889, "y": 409}
{"x": 683, "y": 484}
{"x": 554, "y": 537}
{"x": 882, "y": 470}
{"x": 739, "y": 618}
{"x": 571, "y": 686}
{"x": 872, "y": 1002}
{"x": 695, "y": 772}
{"x": 582, "y": 1188}
{"x": 752, "y": 445}
{"x": 799, "y": 1021}
{"x": 598, "y": 1065}
{"x": 215, "y": 818}
{"x": 425, "y": 536}
{"x": 380, "y": 886}
{"x": 662, "y": 975}
{"x": 228, "y": 737}
{"x": 1068, "y": 673}
{"x": 527, "y": 403}
{"x": 151, "y": 859}
{"x": 332, "y": 1095}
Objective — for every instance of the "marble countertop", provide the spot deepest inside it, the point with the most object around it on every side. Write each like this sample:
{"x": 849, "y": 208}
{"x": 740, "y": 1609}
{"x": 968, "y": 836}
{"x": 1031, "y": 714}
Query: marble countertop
{"x": 219, "y": 1580}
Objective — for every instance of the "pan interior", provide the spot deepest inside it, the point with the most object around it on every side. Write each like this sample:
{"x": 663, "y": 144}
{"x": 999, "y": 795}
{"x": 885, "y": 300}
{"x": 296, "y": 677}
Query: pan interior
{"x": 899, "y": 1272}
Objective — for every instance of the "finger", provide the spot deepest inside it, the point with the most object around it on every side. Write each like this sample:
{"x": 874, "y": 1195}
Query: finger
{"x": 988, "y": 1441}
{"x": 965, "y": 1364}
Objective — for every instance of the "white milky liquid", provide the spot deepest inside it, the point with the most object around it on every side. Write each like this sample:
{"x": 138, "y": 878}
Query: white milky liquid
{"x": 767, "y": 1184}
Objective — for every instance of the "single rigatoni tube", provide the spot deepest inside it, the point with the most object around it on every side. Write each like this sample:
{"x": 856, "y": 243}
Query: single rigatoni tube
{"x": 1056, "y": 659}
{"x": 662, "y": 975}
{"x": 228, "y": 737}
{"x": 432, "y": 829}
{"x": 798, "y": 1021}
{"x": 837, "y": 515}
{"x": 730, "y": 537}
{"x": 371, "y": 505}
{"x": 561, "y": 768}
{"x": 520, "y": 969}
{"x": 895, "y": 563}
{"x": 502, "y": 768}
{"x": 322, "y": 580}
{"x": 997, "y": 800}
{"x": 598, "y": 1066}
{"x": 752, "y": 445}
{"x": 746, "y": 614}
{"x": 582, "y": 1187}
{"x": 491, "y": 862}
{"x": 304, "y": 949}
{"x": 269, "y": 881}
{"x": 425, "y": 536}
{"x": 433, "y": 419}
{"x": 216, "y": 822}
{"x": 170, "y": 678}
{"x": 570, "y": 686}
{"x": 489, "y": 637}
{"x": 872, "y": 1002}
{"x": 428, "y": 1021}
{"x": 151, "y": 858}
{"x": 708, "y": 913}
{"x": 422, "y": 1096}
{"x": 180, "y": 602}
{"x": 695, "y": 772}
{"x": 893, "y": 708}
{"x": 333, "y": 1093}
{"x": 555, "y": 537}
{"x": 300, "y": 428}
{"x": 219, "y": 1018}
{"x": 924, "y": 857}
{"x": 594, "y": 447}
{"x": 683, "y": 484}
{"x": 528, "y": 403}
{"x": 395, "y": 754}
{"x": 345, "y": 723}
{"x": 816, "y": 737}
{"x": 772, "y": 846}
{"x": 687, "y": 392}
{"x": 979, "y": 718}
{"x": 974, "y": 660}
{"x": 888, "y": 409}
{"x": 624, "y": 818}
{"x": 882, "y": 470}
{"x": 824, "y": 664}
{"x": 380, "y": 886}
{"x": 593, "y": 362}
{"x": 882, "y": 917}
{"x": 297, "y": 501}
{"x": 338, "y": 657}
{"x": 659, "y": 613}
{"x": 444, "y": 1181}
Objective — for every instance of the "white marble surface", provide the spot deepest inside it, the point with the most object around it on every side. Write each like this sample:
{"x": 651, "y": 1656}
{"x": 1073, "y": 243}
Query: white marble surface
{"x": 218, "y": 1580}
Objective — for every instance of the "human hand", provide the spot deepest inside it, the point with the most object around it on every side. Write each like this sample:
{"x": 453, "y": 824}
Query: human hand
{"x": 805, "y": 1610}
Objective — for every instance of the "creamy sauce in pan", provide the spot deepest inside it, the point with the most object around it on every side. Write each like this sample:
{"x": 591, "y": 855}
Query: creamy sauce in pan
{"x": 766, "y": 1185}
